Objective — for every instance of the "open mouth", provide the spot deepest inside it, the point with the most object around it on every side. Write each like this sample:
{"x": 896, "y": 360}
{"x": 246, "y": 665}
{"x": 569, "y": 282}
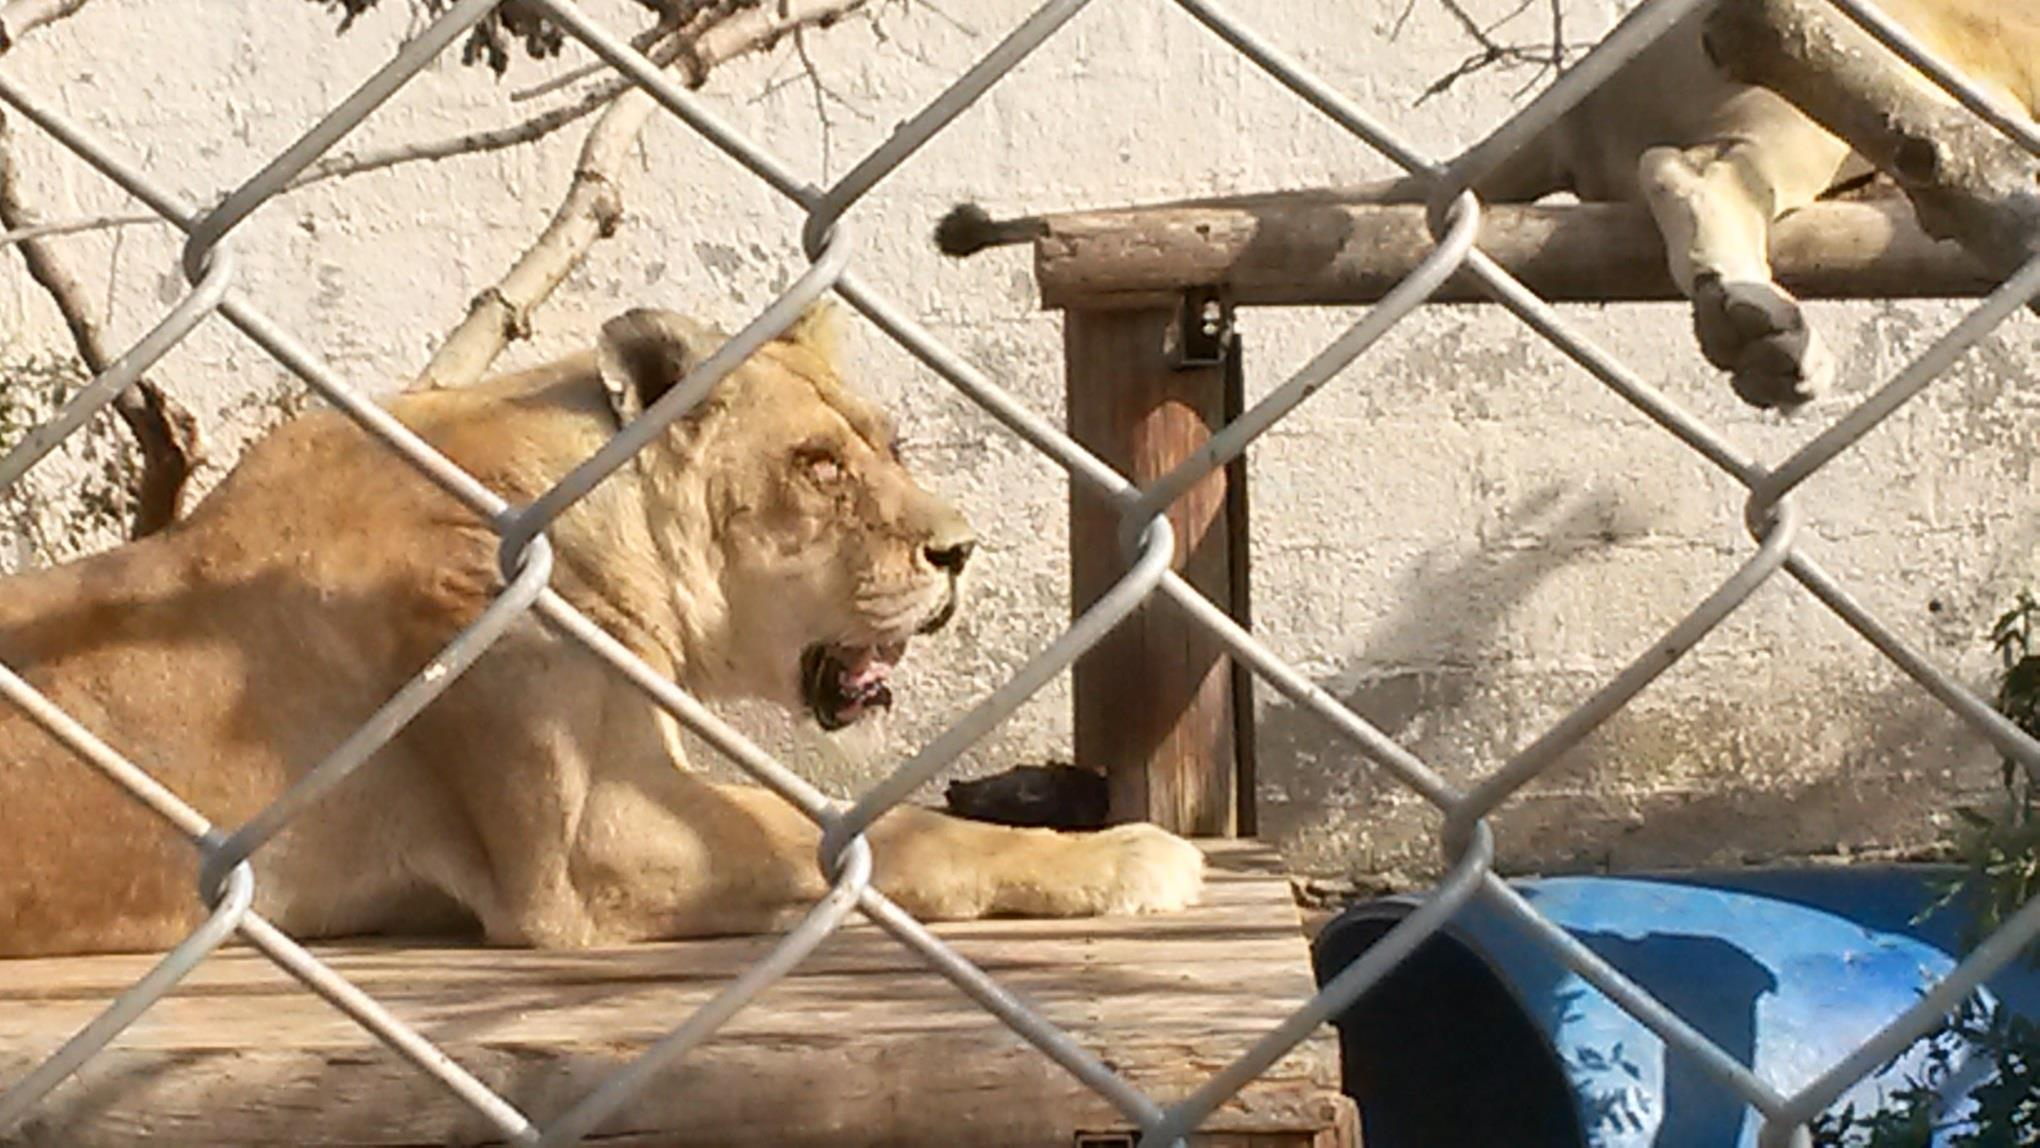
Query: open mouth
{"x": 843, "y": 683}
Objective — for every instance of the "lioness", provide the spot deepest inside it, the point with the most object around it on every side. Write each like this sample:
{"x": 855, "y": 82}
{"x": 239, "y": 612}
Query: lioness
{"x": 770, "y": 544}
{"x": 1717, "y": 162}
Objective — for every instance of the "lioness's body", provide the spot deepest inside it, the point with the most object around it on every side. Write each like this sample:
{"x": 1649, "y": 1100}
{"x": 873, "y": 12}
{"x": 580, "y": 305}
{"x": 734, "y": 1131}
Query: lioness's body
{"x": 1716, "y": 161}
{"x": 543, "y": 796}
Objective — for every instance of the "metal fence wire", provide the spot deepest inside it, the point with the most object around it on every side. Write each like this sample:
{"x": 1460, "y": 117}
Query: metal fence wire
{"x": 1774, "y": 520}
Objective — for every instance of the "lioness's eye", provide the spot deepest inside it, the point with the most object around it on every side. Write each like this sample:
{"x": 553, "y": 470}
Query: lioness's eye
{"x": 821, "y": 463}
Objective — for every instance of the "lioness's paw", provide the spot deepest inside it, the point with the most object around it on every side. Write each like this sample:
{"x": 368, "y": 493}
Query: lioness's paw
{"x": 1759, "y": 333}
{"x": 1149, "y": 870}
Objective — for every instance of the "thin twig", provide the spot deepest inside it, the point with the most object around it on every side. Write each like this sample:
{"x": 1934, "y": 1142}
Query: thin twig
{"x": 20, "y": 17}
{"x": 885, "y": 39}
{"x": 1548, "y": 58}
{"x": 643, "y": 42}
{"x": 821, "y": 100}
{"x": 492, "y": 139}
{"x": 113, "y": 274}
{"x": 165, "y": 431}
{"x": 76, "y": 226}
{"x": 1402, "y": 19}
{"x": 1557, "y": 36}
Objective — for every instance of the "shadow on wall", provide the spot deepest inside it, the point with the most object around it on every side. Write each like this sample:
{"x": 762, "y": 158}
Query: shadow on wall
{"x": 1673, "y": 781}
{"x": 1436, "y": 647}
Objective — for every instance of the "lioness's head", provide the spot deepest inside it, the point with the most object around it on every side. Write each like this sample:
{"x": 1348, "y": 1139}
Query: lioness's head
{"x": 827, "y": 556}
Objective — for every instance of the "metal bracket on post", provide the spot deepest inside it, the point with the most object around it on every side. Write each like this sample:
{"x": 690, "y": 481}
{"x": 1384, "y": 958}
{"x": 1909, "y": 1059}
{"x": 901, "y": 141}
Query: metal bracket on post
{"x": 1203, "y": 332}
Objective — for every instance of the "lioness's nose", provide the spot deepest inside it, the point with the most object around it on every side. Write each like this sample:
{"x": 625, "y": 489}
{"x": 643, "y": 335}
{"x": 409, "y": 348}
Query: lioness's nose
{"x": 951, "y": 554}
{"x": 947, "y": 541}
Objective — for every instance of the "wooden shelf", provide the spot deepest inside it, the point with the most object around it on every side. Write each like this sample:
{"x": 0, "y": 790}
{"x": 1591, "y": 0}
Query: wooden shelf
{"x": 862, "y": 1045}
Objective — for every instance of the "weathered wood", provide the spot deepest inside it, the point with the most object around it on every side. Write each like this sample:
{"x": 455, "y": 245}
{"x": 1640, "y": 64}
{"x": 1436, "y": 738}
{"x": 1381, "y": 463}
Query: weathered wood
{"x": 1309, "y": 250}
{"x": 862, "y": 1045}
{"x": 1239, "y": 600}
{"x": 1967, "y": 181}
{"x": 1154, "y": 700}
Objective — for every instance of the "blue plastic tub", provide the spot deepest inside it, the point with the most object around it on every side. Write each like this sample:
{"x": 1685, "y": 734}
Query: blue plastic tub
{"x": 1483, "y": 1038}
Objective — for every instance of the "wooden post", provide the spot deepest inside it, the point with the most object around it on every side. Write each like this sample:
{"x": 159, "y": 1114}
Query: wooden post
{"x": 1154, "y": 701}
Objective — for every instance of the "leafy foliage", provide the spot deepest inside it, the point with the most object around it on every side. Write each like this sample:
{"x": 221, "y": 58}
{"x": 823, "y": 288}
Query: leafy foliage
{"x": 2007, "y": 1105}
{"x": 2000, "y": 848}
{"x": 2000, "y": 851}
{"x": 514, "y": 23}
{"x": 98, "y": 492}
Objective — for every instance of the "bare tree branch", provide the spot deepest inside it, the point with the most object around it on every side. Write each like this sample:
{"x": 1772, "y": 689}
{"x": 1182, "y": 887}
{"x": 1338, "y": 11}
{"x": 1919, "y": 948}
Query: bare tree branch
{"x": 729, "y": 31}
{"x": 690, "y": 67}
{"x": 1546, "y": 58}
{"x": 20, "y": 17}
{"x": 592, "y": 210}
{"x": 165, "y": 431}
{"x": 1966, "y": 181}
{"x": 693, "y": 37}
{"x": 593, "y": 205}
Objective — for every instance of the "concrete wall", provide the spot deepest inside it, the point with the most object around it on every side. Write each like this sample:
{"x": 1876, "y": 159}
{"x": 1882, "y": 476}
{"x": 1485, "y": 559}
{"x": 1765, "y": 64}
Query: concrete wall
{"x": 1463, "y": 537}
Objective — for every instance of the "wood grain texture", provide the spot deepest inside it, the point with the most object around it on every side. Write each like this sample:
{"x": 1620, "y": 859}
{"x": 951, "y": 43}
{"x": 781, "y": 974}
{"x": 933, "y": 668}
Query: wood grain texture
{"x": 1313, "y": 251}
{"x": 1154, "y": 699}
{"x": 863, "y": 1045}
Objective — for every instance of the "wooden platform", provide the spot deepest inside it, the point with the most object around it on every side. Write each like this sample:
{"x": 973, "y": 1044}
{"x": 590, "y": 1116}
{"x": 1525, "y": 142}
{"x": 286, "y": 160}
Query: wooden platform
{"x": 862, "y": 1046}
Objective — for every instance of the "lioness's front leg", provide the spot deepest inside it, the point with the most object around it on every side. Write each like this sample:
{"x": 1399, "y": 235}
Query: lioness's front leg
{"x": 673, "y": 855}
{"x": 944, "y": 868}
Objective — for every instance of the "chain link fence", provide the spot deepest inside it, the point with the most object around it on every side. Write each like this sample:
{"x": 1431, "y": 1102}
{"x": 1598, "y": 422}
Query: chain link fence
{"x": 1773, "y": 515}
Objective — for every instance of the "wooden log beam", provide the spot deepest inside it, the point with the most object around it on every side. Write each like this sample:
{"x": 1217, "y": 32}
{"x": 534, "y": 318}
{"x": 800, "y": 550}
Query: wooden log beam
{"x": 1307, "y": 250}
{"x": 1967, "y": 181}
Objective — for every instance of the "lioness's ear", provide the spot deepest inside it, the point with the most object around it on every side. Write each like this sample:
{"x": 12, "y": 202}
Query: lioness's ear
{"x": 819, "y": 329}
{"x": 643, "y": 352}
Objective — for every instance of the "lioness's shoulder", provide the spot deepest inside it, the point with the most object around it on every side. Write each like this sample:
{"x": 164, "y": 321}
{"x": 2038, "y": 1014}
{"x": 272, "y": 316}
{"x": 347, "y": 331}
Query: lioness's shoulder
{"x": 563, "y": 397}
{"x": 517, "y": 433}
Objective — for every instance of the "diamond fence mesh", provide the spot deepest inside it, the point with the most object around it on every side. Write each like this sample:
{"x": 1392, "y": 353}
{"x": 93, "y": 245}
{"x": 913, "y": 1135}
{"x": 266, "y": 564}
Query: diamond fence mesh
{"x": 1774, "y": 517}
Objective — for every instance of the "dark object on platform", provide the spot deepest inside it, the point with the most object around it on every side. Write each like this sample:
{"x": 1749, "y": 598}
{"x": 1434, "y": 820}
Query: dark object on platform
{"x": 1052, "y": 796}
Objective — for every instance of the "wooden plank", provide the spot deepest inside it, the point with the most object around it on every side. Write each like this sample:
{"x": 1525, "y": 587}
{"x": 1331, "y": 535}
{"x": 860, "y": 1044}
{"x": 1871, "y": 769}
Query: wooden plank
{"x": 1154, "y": 700}
{"x": 1311, "y": 250}
{"x": 863, "y": 1045}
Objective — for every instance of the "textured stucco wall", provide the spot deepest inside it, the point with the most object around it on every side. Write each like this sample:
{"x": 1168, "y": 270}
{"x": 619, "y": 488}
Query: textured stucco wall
{"x": 1464, "y": 536}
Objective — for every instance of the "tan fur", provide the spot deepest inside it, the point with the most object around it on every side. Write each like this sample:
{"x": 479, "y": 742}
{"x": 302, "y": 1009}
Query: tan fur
{"x": 542, "y": 797}
{"x": 1718, "y": 162}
